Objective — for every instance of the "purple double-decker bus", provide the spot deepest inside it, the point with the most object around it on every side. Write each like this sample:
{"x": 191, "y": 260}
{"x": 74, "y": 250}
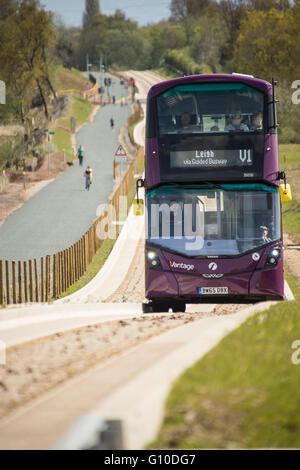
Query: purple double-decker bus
{"x": 213, "y": 210}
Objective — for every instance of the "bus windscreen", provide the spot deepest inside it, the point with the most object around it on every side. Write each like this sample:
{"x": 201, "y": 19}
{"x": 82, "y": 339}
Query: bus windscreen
{"x": 211, "y": 108}
{"x": 220, "y": 220}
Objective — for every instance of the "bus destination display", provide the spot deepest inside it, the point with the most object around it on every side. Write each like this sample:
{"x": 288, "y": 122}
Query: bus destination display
{"x": 211, "y": 158}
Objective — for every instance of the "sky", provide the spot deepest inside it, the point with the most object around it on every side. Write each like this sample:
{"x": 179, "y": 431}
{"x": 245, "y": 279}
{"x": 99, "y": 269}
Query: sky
{"x": 142, "y": 11}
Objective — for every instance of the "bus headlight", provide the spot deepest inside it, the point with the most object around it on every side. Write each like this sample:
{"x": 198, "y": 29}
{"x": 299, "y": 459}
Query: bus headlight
{"x": 153, "y": 259}
{"x": 273, "y": 257}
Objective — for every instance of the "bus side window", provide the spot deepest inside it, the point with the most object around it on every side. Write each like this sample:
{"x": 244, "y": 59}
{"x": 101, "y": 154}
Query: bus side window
{"x": 166, "y": 123}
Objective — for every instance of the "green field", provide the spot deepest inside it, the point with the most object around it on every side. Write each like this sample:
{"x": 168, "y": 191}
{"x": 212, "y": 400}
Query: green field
{"x": 78, "y": 108}
{"x": 244, "y": 393}
{"x": 69, "y": 79}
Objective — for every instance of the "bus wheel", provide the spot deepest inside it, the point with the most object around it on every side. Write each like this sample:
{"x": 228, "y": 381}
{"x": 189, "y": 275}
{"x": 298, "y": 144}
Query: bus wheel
{"x": 160, "y": 307}
{"x": 147, "y": 308}
{"x": 179, "y": 307}
{"x": 155, "y": 307}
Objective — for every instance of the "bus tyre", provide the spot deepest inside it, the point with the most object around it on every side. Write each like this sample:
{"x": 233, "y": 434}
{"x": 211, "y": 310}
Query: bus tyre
{"x": 160, "y": 307}
{"x": 179, "y": 307}
{"x": 147, "y": 308}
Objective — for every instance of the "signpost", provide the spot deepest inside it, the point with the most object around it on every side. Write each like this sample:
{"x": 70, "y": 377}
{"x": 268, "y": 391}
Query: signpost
{"x": 121, "y": 158}
{"x": 2, "y": 92}
{"x": 46, "y": 131}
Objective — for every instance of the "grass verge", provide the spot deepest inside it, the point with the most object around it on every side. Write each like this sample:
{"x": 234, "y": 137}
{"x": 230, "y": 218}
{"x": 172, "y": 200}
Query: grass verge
{"x": 79, "y": 108}
{"x": 69, "y": 79}
{"x": 94, "y": 267}
{"x": 244, "y": 393}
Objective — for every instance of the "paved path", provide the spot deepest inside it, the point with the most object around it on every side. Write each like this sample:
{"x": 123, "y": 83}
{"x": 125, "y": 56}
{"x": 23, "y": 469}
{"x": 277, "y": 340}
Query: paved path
{"x": 58, "y": 215}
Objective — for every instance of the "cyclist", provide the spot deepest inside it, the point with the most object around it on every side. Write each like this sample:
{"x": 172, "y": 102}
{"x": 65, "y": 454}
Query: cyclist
{"x": 88, "y": 174}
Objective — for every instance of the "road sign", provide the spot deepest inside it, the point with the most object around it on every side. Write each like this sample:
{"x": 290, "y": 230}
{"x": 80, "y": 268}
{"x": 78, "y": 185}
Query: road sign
{"x": 120, "y": 152}
{"x": 121, "y": 159}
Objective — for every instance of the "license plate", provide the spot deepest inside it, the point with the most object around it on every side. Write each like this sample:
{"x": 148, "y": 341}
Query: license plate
{"x": 213, "y": 290}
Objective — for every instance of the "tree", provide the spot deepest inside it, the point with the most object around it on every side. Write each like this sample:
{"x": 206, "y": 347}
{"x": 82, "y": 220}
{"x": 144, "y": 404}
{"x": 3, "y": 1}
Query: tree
{"x": 269, "y": 44}
{"x": 92, "y": 8}
{"x": 165, "y": 36}
{"x": 7, "y": 7}
{"x": 180, "y": 9}
{"x": 26, "y": 35}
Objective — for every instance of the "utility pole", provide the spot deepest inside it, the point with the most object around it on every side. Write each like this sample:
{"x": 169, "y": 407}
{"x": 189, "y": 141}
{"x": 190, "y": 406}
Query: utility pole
{"x": 101, "y": 71}
{"x": 48, "y": 133}
{"x": 2, "y": 92}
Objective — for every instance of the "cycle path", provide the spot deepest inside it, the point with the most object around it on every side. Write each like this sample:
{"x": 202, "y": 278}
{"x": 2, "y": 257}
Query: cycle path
{"x": 59, "y": 214}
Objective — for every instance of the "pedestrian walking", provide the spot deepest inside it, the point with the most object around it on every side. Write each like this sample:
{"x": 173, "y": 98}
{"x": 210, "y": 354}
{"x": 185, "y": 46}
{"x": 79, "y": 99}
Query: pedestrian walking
{"x": 112, "y": 123}
{"x": 80, "y": 154}
{"x": 122, "y": 100}
{"x": 88, "y": 174}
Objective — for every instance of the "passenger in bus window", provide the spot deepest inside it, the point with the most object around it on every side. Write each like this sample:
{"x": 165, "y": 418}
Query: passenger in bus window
{"x": 185, "y": 120}
{"x": 256, "y": 122}
{"x": 236, "y": 123}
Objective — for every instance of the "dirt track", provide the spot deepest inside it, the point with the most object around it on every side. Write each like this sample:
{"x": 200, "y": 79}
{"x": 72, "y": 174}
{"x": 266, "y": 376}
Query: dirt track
{"x": 36, "y": 367}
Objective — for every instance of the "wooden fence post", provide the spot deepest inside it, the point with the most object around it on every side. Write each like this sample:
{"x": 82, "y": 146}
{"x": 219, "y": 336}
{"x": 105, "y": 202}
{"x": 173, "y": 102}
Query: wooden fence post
{"x": 48, "y": 287}
{"x": 82, "y": 255}
{"x": 70, "y": 266}
{"x": 14, "y": 271}
{"x": 42, "y": 279}
{"x": 63, "y": 272}
{"x": 21, "y": 299}
{"x": 25, "y": 268}
{"x": 59, "y": 274}
{"x": 54, "y": 278}
{"x": 86, "y": 251}
{"x": 2, "y": 290}
{"x": 7, "y": 272}
{"x": 31, "y": 289}
{"x": 76, "y": 262}
{"x": 67, "y": 268}
{"x": 73, "y": 265}
{"x": 36, "y": 275}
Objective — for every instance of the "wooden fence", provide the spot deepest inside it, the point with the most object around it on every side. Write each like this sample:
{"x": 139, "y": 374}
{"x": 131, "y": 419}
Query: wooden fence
{"x": 49, "y": 277}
